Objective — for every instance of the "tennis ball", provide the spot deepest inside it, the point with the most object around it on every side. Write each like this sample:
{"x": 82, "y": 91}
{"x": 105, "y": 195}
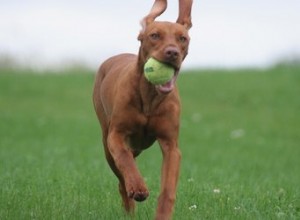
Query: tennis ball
{"x": 158, "y": 73}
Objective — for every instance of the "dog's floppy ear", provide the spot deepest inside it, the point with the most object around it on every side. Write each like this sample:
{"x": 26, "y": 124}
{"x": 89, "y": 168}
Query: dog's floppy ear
{"x": 157, "y": 9}
{"x": 184, "y": 17}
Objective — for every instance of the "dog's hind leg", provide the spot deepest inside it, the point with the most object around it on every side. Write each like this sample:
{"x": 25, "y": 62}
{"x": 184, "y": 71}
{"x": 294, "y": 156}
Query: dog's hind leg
{"x": 128, "y": 203}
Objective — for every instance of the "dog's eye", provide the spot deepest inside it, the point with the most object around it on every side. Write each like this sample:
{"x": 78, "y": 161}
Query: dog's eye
{"x": 155, "y": 36}
{"x": 182, "y": 39}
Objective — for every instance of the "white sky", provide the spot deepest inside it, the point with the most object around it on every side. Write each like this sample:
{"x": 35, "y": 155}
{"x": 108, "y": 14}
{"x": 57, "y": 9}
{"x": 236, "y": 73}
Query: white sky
{"x": 225, "y": 33}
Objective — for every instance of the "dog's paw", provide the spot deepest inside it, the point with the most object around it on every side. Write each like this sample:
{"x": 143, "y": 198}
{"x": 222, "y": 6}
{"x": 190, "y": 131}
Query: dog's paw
{"x": 137, "y": 191}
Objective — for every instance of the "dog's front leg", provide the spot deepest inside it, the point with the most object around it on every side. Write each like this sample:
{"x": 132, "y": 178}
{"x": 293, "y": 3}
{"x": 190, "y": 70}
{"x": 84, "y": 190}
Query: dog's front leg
{"x": 124, "y": 162}
{"x": 169, "y": 178}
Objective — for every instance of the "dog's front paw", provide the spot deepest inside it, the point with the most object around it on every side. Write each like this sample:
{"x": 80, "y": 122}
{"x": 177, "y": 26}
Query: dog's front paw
{"x": 137, "y": 190}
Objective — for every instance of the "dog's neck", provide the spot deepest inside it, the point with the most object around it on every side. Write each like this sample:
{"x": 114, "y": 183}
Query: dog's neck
{"x": 150, "y": 97}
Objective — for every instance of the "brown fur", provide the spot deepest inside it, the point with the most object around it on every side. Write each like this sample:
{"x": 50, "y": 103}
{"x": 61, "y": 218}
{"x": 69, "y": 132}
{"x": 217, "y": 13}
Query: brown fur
{"x": 134, "y": 113}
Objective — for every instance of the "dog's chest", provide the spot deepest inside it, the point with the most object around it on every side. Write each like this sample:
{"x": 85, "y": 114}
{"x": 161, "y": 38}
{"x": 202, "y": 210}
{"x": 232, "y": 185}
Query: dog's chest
{"x": 141, "y": 137}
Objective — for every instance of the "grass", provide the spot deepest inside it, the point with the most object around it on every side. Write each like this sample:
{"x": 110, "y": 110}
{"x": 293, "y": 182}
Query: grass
{"x": 239, "y": 140}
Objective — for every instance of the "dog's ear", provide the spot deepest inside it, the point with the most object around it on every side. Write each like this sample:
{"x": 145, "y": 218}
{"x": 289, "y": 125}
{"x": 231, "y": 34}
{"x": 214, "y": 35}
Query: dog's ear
{"x": 141, "y": 36}
{"x": 157, "y": 9}
{"x": 185, "y": 9}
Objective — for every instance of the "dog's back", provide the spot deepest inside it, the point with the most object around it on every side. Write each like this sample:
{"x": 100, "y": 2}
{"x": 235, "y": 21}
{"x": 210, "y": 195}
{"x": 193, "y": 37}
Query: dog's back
{"x": 115, "y": 75}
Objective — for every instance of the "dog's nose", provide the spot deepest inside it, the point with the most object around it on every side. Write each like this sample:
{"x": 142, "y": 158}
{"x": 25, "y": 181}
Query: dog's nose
{"x": 171, "y": 53}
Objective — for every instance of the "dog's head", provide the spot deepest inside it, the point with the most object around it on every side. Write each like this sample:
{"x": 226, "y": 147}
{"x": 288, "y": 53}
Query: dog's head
{"x": 165, "y": 41}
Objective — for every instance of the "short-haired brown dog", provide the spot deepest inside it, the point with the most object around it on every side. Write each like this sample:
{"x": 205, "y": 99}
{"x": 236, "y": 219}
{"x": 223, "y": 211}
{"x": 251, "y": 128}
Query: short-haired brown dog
{"x": 134, "y": 113}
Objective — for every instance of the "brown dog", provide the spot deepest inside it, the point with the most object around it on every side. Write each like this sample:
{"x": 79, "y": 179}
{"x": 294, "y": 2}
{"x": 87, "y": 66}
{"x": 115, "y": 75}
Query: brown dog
{"x": 133, "y": 113}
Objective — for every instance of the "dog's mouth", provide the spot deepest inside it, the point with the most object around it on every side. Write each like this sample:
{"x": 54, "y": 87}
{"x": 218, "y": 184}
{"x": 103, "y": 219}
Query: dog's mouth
{"x": 168, "y": 86}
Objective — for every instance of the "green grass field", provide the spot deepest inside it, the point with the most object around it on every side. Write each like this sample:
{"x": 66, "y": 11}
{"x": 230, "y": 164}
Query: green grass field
{"x": 240, "y": 141}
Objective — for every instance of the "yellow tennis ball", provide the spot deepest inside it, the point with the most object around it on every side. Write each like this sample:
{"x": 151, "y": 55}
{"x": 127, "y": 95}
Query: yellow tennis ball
{"x": 158, "y": 73}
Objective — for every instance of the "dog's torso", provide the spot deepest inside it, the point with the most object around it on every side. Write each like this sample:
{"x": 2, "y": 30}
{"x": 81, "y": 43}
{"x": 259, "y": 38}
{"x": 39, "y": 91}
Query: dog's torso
{"x": 129, "y": 105}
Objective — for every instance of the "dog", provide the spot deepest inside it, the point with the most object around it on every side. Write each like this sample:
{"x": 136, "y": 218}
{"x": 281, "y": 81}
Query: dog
{"x": 134, "y": 113}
